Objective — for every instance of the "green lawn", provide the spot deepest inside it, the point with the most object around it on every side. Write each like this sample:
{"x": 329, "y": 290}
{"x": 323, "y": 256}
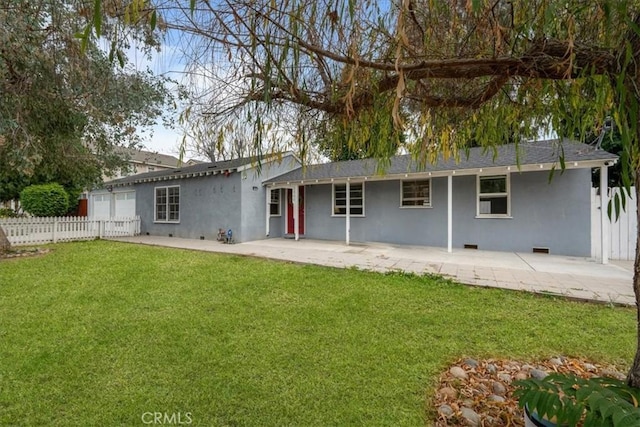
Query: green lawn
{"x": 100, "y": 333}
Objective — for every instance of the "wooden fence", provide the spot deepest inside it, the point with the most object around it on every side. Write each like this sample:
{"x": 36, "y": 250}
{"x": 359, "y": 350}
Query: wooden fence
{"x": 33, "y": 231}
{"x": 622, "y": 233}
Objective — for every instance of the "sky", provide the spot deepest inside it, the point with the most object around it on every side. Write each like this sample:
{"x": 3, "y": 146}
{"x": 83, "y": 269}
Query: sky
{"x": 167, "y": 63}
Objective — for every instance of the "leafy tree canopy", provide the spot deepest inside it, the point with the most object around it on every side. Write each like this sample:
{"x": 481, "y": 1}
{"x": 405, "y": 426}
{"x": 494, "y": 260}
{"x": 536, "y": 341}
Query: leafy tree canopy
{"x": 445, "y": 71}
{"x": 62, "y": 109}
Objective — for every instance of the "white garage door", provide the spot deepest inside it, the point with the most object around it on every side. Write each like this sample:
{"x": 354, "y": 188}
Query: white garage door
{"x": 101, "y": 206}
{"x": 125, "y": 204}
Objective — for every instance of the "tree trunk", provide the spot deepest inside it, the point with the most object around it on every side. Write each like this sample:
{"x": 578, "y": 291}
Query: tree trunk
{"x": 633, "y": 379}
{"x": 629, "y": 102}
{"x": 5, "y": 245}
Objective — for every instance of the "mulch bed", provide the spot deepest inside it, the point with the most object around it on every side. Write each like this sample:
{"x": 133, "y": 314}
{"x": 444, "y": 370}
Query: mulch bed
{"x": 479, "y": 392}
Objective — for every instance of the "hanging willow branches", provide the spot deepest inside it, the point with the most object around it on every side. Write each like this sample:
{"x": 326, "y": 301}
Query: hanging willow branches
{"x": 446, "y": 72}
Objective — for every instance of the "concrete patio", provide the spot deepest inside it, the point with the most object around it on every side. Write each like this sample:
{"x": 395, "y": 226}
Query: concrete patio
{"x": 570, "y": 277}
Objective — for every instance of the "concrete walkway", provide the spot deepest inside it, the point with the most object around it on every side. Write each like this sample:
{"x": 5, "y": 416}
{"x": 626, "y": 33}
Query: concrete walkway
{"x": 570, "y": 277}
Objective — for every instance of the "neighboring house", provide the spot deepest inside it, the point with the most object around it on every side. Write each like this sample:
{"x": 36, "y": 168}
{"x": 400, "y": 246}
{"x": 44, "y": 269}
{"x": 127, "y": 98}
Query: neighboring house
{"x": 141, "y": 161}
{"x": 500, "y": 199}
{"x": 493, "y": 200}
{"x": 192, "y": 162}
{"x": 196, "y": 201}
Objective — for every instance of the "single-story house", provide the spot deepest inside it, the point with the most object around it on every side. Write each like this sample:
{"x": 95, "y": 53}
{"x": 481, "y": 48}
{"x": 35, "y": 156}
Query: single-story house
{"x": 195, "y": 201}
{"x": 504, "y": 199}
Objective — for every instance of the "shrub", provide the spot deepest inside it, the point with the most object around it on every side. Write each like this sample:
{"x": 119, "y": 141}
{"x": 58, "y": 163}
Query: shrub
{"x": 45, "y": 200}
{"x": 7, "y": 213}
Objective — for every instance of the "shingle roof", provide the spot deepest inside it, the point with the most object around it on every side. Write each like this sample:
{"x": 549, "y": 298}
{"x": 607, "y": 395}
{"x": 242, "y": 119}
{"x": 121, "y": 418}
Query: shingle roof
{"x": 200, "y": 168}
{"x": 149, "y": 158}
{"x": 527, "y": 153}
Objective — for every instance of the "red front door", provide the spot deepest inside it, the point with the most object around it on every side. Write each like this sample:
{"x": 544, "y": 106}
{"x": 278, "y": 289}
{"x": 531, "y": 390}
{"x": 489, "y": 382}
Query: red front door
{"x": 290, "y": 219}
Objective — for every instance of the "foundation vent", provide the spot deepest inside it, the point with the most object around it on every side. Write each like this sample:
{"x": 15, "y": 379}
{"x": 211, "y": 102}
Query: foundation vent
{"x": 470, "y": 246}
{"x": 540, "y": 250}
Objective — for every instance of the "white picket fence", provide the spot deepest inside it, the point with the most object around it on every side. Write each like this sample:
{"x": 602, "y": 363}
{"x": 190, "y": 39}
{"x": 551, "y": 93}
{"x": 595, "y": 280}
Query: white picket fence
{"x": 31, "y": 231}
{"x": 622, "y": 233}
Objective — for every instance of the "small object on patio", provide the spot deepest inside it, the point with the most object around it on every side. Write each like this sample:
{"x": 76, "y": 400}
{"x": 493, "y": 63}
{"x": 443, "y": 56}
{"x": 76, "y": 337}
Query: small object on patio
{"x": 229, "y": 236}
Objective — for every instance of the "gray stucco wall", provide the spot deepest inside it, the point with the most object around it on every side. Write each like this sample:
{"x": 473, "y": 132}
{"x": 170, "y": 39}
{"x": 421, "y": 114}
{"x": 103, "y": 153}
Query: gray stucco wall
{"x": 554, "y": 215}
{"x": 206, "y": 204}
{"x": 211, "y": 202}
{"x": 254, "y": 199}
{"x": 384, "y": 220}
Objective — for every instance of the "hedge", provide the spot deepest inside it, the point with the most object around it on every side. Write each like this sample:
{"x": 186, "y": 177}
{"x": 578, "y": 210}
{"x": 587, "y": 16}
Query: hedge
{"x": 45, "y": 200}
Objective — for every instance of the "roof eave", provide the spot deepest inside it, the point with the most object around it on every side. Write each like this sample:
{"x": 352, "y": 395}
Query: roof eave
{"x": 578, "y": 164}
{"x": 171, "y": 177}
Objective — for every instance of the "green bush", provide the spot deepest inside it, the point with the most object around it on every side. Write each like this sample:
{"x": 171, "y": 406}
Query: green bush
{"x": 7, "y": 213}
{"x": 45, "y": 200}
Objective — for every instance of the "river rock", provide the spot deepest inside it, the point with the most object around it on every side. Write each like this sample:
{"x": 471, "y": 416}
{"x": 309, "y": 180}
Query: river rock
{"x": 472, "y": 363}
{"x": 556, "y": 361}
{"x": 505, "y": 378}
{"x": 521, "y": 375}
{"x": 538, "y": 374}
{"x": 470, "y": 416}
{"x": 458, "y": 372}
{"x": 499, "y": 388}
{"x": 445, "y": 410}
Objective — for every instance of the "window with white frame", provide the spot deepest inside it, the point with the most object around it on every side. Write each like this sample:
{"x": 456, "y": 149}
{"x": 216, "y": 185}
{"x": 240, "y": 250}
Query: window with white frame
{"x": 415, "y": 193}
{"x": 356, "y": 199}
{"x": 274, "y": 202}
{"x": 493, "y": 195}
{"x": 168, "y": 204}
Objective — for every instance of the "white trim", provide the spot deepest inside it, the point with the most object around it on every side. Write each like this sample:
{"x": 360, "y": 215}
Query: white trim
{"x": 604, "y": 220}
{"x": 286, "y": 215}
{"x": 427, "y": 206}
{"x": 450, "y": 213}
{"x": 279, "y": 214}
{"x": 155, "y": 205}
{"x": 347, "y": 221}
{"x": 492, "y": 170}
{"x": 508, "y": 195}
{"x": 348, "y": 196}
{"x": 267, "y": 215}
{"x": 295, "y": 193}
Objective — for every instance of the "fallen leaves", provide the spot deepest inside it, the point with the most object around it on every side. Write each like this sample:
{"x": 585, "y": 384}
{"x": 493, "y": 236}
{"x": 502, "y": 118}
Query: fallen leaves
{"x": 479, "y": 393}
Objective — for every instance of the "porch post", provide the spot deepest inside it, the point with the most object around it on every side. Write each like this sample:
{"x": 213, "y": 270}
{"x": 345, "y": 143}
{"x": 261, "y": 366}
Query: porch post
{"x": 295, "y": 194}
{"x": 604, "y": 220}
{"x": 267, "y": 210}
{"x": 450, "y": 213}
{"x": 348, "y": 214}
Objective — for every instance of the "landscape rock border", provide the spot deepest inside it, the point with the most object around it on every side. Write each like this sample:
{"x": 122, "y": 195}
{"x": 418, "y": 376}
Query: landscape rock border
{"x": 23, "y": 252}
{"x": 476, "y": 393}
